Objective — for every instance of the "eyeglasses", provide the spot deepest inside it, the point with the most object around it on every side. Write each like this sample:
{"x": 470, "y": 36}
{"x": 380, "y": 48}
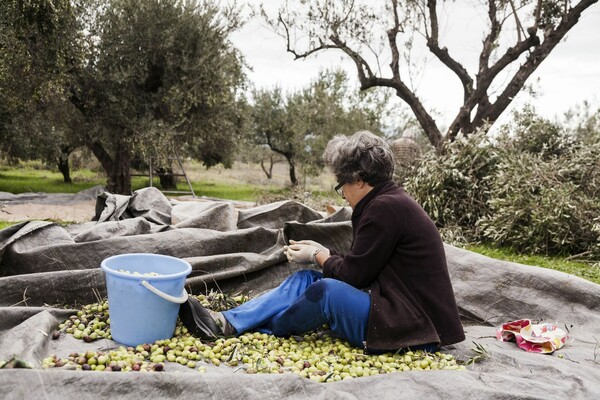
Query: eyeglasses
{"x": 338, "y": 189}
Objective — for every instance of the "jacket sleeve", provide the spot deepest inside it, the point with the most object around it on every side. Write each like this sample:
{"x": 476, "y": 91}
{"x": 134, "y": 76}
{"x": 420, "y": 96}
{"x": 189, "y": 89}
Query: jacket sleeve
{"x": 374, "y": 242}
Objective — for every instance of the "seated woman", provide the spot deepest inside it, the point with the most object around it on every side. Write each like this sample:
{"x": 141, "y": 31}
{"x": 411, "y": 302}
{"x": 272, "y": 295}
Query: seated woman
{"x": 390, "y": 291}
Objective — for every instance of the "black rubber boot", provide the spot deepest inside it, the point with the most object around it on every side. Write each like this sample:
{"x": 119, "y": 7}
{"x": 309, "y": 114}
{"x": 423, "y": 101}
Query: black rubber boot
{"x": 198, "y": 320}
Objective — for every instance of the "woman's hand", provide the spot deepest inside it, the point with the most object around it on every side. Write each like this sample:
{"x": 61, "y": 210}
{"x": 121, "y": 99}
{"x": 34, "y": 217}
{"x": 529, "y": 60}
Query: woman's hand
{"x": 304, "y": 251}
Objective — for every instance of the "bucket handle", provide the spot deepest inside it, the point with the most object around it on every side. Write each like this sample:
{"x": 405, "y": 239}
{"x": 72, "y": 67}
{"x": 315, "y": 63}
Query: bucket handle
{"x": 180, "y": 300}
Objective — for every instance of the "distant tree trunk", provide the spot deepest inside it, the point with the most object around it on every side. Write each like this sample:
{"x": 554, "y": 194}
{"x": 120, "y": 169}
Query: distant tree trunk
{"x": 118, "y": 178}
{"x": 63, "y": 164}
{"x": 63, "y": 167}
{"x": 267, "y": 171}
{"x": 168, "y": 181}
{"x": 289, "y": 156}
{"x": 292, "y": 163}
{"x": 121, "y": 174}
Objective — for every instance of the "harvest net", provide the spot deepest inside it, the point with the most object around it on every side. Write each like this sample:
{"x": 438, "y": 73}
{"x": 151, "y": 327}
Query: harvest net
{"x": 49, "y": 273}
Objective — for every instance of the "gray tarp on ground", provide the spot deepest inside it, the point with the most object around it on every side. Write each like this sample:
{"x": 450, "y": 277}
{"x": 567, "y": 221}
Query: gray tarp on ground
{"x": 44, "y": 265}
{"x": 50, "y": 198}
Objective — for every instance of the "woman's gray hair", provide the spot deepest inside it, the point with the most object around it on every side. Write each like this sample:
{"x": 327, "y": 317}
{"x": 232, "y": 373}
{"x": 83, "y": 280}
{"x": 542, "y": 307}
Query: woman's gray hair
{"x": 363, "y": 156}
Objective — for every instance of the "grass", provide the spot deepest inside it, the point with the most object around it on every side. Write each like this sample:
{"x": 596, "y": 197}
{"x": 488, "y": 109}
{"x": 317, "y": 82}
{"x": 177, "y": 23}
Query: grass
{"x": 231, "y": 184}
{"x": 241, "y": 183}
{"x": 34, "y": 180}
{"x": 239, "y": 191}
{"x": 27, "y": 180}
{"x": 580, "y": 269}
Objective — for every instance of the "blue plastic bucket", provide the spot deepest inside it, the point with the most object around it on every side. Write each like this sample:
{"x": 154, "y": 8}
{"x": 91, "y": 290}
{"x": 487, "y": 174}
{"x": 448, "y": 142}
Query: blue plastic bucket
{"x": 144, "y": 308}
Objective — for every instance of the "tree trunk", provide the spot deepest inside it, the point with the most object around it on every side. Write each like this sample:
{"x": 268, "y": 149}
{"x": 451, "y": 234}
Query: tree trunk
{"x": 63, "y": 164}
{"x": 121, "y": 177}
{"x": 118, "y": 178}
{"x": 168, "y": 181}
{"x": 292, "y": 163}
{"x": 63, "y": 167}
{"x": 289, "y": 156}
{"x": 103, "y": 157}
{"x": 267, "y": 171}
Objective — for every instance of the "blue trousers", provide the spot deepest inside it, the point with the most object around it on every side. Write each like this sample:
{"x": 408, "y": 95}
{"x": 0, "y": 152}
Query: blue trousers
{"x": 304, "y": 302}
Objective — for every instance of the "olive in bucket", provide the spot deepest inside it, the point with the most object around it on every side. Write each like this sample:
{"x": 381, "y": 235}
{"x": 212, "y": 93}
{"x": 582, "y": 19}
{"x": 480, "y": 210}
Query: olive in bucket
{"x": 144, "y": 294}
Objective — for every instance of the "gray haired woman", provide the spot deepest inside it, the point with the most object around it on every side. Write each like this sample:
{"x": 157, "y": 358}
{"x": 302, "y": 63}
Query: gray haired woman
{"x": 391, "y": 291}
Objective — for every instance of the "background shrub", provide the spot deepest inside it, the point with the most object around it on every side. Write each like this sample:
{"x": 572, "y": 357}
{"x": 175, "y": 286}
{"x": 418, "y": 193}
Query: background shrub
{"x": 454, "y": 187}
{"x": 530, "y": 133}
{"x": 534, "y": 188}
{"x": 541, "y": 207}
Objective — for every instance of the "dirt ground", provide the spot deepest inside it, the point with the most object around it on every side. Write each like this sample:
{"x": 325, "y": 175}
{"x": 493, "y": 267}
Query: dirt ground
{"x": 78, "y": 212}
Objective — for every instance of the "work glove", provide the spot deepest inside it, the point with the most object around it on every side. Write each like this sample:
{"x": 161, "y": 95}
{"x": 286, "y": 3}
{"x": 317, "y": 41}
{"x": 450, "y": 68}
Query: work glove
{"x": 310, "y": 243}
{"x": 302, "y": 252}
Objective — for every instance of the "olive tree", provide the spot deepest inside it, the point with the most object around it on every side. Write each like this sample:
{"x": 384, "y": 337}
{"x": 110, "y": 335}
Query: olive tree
{"x": 39, "y": 47}
{"x": 518, "y": 35}
{"x": 48, "y": 132}
{"x": 161, "y": 78}
{"x": 299, "y": 124}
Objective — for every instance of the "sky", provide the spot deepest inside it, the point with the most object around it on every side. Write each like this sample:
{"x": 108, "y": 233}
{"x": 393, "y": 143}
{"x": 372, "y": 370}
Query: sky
{"x": 570, "y": 74}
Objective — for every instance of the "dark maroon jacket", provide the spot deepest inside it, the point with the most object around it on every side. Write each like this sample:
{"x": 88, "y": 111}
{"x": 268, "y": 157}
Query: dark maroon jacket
{"x": 398, "y": 254}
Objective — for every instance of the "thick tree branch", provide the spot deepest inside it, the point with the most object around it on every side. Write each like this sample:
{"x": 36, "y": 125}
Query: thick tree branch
{"x": 487, "y": 74}
{"x": 392, "y": 33}
{"x": 103, "y": 156}
{"x": 76, "y": 100}
{"x": 511, "y": 55}
{"x": 286, "y": 154}
{"x": 534, "y": 59}
{"x": 442, "y": 53}
{"x": 368, "y": 80}
{"x": 484, "y": 81}
{"x": 365, "y": 74}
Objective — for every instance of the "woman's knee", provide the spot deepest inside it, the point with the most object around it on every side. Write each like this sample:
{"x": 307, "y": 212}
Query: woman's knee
{"x": 322, "y": 288}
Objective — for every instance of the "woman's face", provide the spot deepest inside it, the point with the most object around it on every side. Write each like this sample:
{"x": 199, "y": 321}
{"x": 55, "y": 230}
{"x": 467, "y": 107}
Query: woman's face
{"x": 353, "y": 192}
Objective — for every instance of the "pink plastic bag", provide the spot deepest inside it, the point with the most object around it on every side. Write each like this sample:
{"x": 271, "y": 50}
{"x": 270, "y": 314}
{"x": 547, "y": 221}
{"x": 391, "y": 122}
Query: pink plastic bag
{"x": 534, "y": 338}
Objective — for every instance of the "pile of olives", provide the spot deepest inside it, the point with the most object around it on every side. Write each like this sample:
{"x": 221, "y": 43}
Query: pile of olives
{"x": 318, "y": 355}
{"x": 92, "y": 322}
